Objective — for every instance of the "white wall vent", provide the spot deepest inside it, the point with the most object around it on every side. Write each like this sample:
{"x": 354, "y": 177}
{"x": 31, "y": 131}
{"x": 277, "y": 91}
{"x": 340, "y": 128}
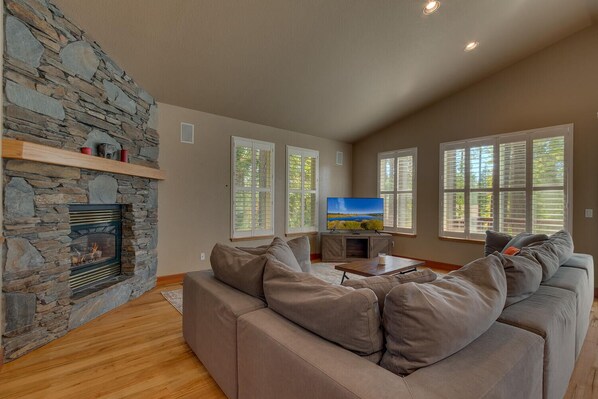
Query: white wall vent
{"x": 339, "y": 158}
{"x": 187, "y": 133}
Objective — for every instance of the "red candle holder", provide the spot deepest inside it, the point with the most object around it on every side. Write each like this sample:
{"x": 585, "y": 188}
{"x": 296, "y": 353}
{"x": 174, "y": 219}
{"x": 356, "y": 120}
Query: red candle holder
{"x": 86, "y": 150}
{"x": 124, "y": 155}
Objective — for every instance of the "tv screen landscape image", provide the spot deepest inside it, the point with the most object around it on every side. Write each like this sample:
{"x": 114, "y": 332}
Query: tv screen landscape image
{"x": 355, "y": 214}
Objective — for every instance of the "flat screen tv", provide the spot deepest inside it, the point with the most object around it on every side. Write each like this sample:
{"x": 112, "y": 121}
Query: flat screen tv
{"x": 355, "y": 214}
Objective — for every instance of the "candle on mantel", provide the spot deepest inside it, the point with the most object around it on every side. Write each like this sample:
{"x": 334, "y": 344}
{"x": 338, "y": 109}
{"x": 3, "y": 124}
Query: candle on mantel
{"x": 124, "y": 155}
{"x": 86, "y": 150}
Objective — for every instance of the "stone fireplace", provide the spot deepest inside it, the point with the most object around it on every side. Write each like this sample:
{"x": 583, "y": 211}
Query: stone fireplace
{"x": 59, "y": 270}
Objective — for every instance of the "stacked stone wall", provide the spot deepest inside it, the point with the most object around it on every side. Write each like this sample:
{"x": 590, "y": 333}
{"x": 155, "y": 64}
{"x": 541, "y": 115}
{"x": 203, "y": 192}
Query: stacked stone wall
{"x": 63, "y": 91}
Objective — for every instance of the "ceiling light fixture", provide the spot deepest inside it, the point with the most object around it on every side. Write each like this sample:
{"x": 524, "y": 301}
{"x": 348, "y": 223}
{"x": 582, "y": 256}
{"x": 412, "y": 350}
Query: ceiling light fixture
{"x": 431, "y": 6}
{"x": 471, "y": 46}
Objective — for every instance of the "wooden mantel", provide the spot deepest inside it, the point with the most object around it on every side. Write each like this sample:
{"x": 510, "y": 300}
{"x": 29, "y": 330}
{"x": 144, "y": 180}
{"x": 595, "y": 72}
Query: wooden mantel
{"x": 16, "y": 149}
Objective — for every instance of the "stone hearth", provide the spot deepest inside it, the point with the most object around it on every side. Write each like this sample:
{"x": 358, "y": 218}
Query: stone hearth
{"x": 62, "y": 90}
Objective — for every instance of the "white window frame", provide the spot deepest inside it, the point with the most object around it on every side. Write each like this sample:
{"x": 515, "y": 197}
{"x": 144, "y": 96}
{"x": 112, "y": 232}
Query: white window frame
{"x": 303, "y": 152}
{"x": 529, "y": 136}
{"x": 254, "y": 144}
{"x": 395, "y": 155}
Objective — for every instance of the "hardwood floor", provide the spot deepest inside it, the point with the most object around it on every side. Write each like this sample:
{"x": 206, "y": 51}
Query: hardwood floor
{"x": 138, "y": 351}
{"x": 584, "y": 381}
{"x": 134, "y": 351}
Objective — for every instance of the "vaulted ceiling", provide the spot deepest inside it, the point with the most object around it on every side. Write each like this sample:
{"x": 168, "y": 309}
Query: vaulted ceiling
{"x": 339, "y": 69}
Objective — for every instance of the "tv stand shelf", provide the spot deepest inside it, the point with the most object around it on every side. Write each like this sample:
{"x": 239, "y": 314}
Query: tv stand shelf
{"x": 343, "y": 247}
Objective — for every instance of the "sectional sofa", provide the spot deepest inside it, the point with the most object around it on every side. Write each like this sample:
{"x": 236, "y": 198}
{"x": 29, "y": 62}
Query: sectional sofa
{"x": 252, "y": 352}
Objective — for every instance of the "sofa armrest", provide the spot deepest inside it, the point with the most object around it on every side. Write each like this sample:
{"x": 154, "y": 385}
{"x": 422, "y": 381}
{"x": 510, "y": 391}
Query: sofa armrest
{"x": 279, "y": 359}
{"x": 210, "y": 312}
{"x": 584, "y": 262}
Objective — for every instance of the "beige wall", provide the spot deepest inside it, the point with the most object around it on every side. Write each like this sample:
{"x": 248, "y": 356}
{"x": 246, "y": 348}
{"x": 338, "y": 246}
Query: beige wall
{"x": 556, "y": 86}
{"x": 194, "y": 200}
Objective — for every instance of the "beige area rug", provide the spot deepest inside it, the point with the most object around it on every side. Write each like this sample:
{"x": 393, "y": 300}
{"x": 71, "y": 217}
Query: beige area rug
{"x": 327, "y": 272}
{"x": 323, "y": 271}
{"x": 175, "y": 297}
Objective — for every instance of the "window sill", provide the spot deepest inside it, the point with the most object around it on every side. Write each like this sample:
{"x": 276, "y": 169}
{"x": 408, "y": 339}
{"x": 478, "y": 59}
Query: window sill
{"x": 463, "y": 240}
{"x": 253, "y": 238}
{"x": 396, "y": 233}
{"x": 310, "y": 233}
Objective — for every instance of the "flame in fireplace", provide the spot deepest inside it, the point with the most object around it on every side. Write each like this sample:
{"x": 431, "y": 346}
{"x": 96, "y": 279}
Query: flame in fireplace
{"x": 93, "y": 254}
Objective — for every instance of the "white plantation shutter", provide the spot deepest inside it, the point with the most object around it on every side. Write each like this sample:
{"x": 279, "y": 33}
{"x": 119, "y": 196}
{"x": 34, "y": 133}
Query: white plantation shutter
{"x": 453, "y": 190}
{"x": 302, "y": 190}
{"x": 549, "y": 203}
{"x": 510, "y": 183}
{"x": 396, "y": 185}
{"x": 252, "y": 188}
{"x": 481, "y": 188}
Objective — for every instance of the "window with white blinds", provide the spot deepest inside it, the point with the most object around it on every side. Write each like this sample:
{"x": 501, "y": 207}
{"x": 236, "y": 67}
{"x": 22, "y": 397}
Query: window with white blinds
{"x": 302, "y": 190}
{"x": 511, "y": 183}
{"x": 397, "y": 186}
{"x": 252, "y": 188}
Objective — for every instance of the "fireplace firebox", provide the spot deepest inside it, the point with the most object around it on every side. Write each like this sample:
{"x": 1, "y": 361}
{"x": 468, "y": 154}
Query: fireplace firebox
{"x": 96, "y": 234}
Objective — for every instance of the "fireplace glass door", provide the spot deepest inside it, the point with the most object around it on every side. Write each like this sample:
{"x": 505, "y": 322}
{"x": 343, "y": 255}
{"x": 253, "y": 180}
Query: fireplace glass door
{"x": 96, "y": 234}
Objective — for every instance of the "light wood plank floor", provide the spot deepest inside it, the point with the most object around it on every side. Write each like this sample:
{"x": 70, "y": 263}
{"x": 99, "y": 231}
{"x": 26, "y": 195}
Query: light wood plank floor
{"x": 134, "y": 351}
{"x": 138, "y": 351}
{"x": 584, "y": 381}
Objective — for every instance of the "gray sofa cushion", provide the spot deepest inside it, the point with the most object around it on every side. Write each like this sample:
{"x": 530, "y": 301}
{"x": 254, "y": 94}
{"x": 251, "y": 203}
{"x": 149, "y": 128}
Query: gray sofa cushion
{"x": 239, "y": 269}
{"x": 339, "y": 314}
{"x": 564, "y": 245}
{"x": 299, "y": 247}
{"x": 550, "y": 313}
{"x": 281, "y": 251}
{"x": 261, "y": 250}
{"x": 525, "y": 239}
{"x": 550, "y": 253}
{"x": 495, "y": 241}
{"x": 425, "y": 323}
{"x": 523, "y": 277}
{"x": 576, "y": 280}
{"x": 381, "y": 285}
{"x": 504, "y": 362}
{"x": 586, "y": 263}
{"x": 301, "y": 250}
{"x": 582, "y": 261}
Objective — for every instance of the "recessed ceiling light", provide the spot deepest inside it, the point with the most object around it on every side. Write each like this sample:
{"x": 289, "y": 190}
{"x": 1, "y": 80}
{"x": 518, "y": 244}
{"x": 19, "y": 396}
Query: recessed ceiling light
{"x": 431, "y": 6}
{"x": 471, "y": 46}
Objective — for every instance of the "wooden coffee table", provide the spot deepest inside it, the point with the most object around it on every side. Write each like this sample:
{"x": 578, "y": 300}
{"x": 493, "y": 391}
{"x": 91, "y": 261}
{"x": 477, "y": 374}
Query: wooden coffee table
{"x": 371, "y": 267}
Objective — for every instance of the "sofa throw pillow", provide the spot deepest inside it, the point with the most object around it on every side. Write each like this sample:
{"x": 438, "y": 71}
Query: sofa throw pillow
{"x": 425, "y": 323}
{"x": 302, "y": 251}
{"x": 299, "y": 247}
{"x": 525, "y": 239}
{"x": 381, "y": 285}
{"x": 511, "y": 251}
{"x": 239, "y": 269}
{"x": 495, "y": 241}
{"x": 261, "y": 250}
{"x": 343, "y": 315}
{"x": 523, "y": 275}
{"x": 563, "y": 243}
{"x": 280, "y": 250}
{"x": 550, "y": 254}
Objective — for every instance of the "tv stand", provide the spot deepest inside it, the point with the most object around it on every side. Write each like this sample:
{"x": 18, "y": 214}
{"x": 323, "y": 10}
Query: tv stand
{"x": 343, "y": 247}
